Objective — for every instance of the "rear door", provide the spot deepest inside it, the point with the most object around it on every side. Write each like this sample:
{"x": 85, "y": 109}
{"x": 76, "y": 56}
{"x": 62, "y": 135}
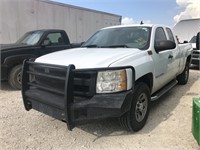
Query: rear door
{"x": 58, "y": 42}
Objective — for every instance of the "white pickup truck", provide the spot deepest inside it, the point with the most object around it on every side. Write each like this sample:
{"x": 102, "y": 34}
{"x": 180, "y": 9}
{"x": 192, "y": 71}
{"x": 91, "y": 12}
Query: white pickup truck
{"x": 116, "y": 73}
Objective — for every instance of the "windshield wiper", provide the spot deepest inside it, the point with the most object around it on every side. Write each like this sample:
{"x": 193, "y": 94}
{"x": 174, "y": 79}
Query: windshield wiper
{"x": 115, "y": 46}
{"x": 91, "y": 46}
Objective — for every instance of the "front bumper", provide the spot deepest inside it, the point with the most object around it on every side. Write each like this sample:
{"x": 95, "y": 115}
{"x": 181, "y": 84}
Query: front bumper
{"x": 195, "y": 57}
{"x": 97, "y": 108}
{"x": 67, "y": 104}
{"x": 195, "y": 61}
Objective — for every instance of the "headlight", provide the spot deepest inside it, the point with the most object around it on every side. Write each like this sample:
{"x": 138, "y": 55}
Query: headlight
{"x": 111, "y": 81}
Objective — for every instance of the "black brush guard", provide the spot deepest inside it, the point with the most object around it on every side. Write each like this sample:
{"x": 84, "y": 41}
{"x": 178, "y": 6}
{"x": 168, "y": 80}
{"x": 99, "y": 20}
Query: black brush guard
{"x": 68, "y": 94}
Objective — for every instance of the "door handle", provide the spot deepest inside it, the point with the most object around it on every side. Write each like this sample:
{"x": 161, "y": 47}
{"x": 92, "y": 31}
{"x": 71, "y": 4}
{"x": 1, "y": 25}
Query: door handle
{"x": 170, "y": 56}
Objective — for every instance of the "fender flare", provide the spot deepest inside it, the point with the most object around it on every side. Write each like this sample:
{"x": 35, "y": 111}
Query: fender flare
{"x": 17, "y": 59}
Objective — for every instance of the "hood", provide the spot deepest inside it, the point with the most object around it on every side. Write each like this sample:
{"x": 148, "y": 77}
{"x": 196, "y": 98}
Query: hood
{"x": 87, "y": 57}
{"x": 12, "y": 46}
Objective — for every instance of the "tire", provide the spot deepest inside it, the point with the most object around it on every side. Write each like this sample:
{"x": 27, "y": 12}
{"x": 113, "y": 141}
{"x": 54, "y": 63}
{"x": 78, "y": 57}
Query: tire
{"x": 183, "y": 77}
{"x": 14, "y": 77}
{"x": 136, "y": 117}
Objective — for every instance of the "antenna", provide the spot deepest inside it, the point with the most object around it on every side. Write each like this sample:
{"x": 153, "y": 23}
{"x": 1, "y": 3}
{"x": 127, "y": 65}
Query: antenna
{"x": 141, "y": 23}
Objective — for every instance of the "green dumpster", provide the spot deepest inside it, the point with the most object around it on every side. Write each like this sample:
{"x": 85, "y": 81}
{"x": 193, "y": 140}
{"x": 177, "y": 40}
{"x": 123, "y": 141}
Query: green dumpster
{"x": 196, "y": 119}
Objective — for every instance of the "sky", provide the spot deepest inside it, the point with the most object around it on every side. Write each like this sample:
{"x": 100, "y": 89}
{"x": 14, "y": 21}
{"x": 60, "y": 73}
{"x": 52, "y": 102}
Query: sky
{"x": 167, "y": 12}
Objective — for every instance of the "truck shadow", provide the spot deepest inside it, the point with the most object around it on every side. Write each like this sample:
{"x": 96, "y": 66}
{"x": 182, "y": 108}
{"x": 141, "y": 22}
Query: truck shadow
{"x": 161, "y": 110}
{"x": 104, "y": 128}
{"x": 4, "y": 86}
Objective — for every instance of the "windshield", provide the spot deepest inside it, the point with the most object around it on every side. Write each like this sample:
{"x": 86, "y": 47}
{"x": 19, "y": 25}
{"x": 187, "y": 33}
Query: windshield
{"x": 129, "y": 37}
{"x": 193, "y": 39}
{"x": 30, "y": 38}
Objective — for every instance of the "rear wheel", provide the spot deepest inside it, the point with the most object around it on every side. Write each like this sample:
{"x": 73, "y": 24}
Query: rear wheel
{"x": 14, "y": 77}
{"x": 183, "y": 77}
{"x": 135, "y": 119}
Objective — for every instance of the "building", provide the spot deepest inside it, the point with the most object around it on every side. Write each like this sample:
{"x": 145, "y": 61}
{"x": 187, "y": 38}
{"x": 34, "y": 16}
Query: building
{"x": 20, "y": 16}
{"x": 186, "y": 29}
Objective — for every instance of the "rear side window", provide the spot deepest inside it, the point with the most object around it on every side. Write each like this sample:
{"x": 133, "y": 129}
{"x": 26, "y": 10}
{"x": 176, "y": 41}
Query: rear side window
{"x": 160, "y": 34}
{"x": 171, "y": 37}
{"x": 55, "y": 38}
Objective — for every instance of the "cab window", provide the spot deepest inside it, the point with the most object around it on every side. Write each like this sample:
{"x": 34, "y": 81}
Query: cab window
{"x": 55, "y": 38}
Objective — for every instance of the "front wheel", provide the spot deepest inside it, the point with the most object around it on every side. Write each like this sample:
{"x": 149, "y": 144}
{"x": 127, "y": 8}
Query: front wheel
{"x": 183, "y": 77}
{"x": 14, "y": 77}
{"x": 135, "y": 119}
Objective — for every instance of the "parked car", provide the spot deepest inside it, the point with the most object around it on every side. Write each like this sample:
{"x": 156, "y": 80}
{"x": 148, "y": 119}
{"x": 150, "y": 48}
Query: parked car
{"x": 196, "y": 49}
{"x": 116, "y": 73}
{"x": 32, "y": 45}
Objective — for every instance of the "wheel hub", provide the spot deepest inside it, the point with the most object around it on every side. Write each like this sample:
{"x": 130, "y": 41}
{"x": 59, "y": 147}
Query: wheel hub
{"x": 19, "y": 77}
{"x": 141, "y": 107}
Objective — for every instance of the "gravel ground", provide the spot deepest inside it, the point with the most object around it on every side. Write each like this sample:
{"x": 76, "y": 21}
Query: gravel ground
{"x": 168, "y": 126}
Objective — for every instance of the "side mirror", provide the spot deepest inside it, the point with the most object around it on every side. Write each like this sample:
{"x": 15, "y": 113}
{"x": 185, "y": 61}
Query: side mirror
{"x": 46, "y": 42}
{"x": 198, "y": 41}
{"x": 164, "y": 45}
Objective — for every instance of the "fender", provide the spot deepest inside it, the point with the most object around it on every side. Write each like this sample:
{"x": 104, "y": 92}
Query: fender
{"x": 16, "y": 59}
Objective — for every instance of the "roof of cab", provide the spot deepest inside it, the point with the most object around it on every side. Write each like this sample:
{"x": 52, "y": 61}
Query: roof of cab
{"x": 136, "y": 25}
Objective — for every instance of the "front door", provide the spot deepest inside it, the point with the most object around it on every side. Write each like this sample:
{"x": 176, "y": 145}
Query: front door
{"x": 162, "y": 61}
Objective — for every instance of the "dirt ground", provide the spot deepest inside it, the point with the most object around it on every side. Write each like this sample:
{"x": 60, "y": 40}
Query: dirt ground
{"x": 168, "y": 125}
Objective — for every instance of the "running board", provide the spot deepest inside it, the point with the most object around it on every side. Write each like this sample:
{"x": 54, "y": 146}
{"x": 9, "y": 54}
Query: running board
{"x": 161, "y": 92}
